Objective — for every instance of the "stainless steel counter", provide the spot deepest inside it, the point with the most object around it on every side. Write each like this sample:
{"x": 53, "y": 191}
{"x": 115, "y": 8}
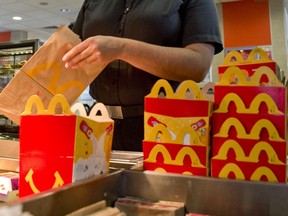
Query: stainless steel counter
{"x": 203, "y": 195}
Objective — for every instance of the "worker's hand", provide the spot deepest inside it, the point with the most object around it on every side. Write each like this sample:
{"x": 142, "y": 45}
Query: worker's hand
{"x": 94, "y": 50}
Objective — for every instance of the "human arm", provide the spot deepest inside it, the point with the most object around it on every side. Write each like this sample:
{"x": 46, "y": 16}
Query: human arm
{"x": 191, "y": 62}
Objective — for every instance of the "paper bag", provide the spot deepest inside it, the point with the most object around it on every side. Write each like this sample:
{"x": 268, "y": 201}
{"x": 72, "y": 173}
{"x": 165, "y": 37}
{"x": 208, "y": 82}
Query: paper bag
{"x": 45, "y": 75}
{"x": 57, "y": 149}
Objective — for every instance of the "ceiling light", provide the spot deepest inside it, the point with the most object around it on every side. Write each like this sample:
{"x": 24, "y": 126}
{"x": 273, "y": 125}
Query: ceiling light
{"x": 64, "y": 10}
{"x": 17, "y": 18}
{"x": 43, "y": 3}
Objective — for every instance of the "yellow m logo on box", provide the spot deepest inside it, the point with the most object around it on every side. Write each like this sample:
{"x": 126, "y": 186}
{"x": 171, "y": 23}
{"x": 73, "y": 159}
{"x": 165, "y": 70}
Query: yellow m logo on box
{"x": 29, "y": 179}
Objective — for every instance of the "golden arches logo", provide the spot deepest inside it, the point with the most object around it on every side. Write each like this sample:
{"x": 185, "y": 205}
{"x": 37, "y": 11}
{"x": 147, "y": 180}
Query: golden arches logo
{"x": 256, "y": 176}
{"x": 162, "y": 170}
{"x": 57, "y": 99}
{"x": 233, "y": 54}
{"x": 264, "y": 171}
{"x": 189, "y": 84}
{"x": 29, "y": 179}
{"x": 231, "y": 168}
{"x": 254, "y": 153}
{"x": 255, "y": 131}
{"x": 161, "y": 83}
{"x": 258, "y": 51}
{"x": 181, "y": 91}
{"x": 53, "y": 86}
{"x": 185, "y": 151}
{"x": 191, "y": 134}
{"x": 231, "y": 72}
{"x": 254, "y": 106}
{"x": 264, "y": 70}
{"x": 254, "y": 79}
{"x": 160, "y": 133}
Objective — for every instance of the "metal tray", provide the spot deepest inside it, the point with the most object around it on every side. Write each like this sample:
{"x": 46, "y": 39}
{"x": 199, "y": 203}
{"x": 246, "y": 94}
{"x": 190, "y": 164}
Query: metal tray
{"x": 203, "y": 195}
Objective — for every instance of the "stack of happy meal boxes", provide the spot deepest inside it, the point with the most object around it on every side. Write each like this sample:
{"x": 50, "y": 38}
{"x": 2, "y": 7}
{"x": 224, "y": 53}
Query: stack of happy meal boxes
{"x": 249, "y": 127}
{"x": 177, "y": 129}
{"x": 61, "y": 145}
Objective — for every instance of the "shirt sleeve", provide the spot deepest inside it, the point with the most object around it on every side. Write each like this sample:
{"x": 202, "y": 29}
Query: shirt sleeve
{"x": 201, "y": 23}
{"x": 78, "y": 25}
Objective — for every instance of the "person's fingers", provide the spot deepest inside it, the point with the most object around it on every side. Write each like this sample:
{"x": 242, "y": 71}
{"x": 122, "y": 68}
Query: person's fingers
{"x": 74, "y": 51}
{"x": 77, "y": 58}
{"x": 89, "y": 60}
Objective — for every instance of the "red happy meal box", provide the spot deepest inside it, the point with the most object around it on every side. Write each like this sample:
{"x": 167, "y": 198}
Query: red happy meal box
{"x": 57, "y": 149}
{"x": 234, "y": 58}
{"x": 249, "y": 118}
{"x": 185, "y": 155}
{"x": 249, "y": 155}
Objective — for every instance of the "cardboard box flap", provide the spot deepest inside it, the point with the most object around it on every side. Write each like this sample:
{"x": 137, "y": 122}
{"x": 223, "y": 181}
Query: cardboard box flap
{"x": 98, "y": 112}
{"x": 234, "y": 75}
{"x": 52, "y": 109}
{"x": 187, "y": 89}
{"x": 234, "y": 54}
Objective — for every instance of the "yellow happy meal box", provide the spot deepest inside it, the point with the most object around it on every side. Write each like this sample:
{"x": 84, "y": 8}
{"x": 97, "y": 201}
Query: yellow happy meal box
{"x": 63, "y": 147}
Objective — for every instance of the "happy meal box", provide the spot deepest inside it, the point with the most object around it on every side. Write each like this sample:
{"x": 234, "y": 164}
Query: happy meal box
{"x": 184, "y": 155}
{"x": 62, "y": 145}
{"x": 256, "y": 59}
{"x": 249, "y": 127}
{"x": 183, "y": 118}
{"x": 187, "y": 107}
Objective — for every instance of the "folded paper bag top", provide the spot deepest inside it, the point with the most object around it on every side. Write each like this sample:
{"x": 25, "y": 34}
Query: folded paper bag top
{"x": 45, "y": 75}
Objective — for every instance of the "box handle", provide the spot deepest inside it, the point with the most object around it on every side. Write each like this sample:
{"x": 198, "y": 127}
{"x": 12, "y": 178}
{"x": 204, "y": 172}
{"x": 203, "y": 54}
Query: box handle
{"x": 181, "y": 92}
{"x": 233, "y": 54}
{"x": 161, "y": 84}
{"x": 258, "y": 51}
{"x": 35, "y": 100}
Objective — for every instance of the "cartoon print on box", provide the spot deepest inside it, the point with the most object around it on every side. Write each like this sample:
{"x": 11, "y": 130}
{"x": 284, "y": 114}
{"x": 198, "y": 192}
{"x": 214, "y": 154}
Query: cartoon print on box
{"x": 93, "y": 148}
{"x": 186, "y": 107}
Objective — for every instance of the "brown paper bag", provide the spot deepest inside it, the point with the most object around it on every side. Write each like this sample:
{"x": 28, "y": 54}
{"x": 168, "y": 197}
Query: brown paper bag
{"x": 45, "y": 75}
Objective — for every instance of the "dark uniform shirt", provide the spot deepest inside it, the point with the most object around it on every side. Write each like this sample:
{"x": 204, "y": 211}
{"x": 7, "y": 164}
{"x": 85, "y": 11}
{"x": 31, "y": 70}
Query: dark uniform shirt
{"x": 174, "y": 23}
